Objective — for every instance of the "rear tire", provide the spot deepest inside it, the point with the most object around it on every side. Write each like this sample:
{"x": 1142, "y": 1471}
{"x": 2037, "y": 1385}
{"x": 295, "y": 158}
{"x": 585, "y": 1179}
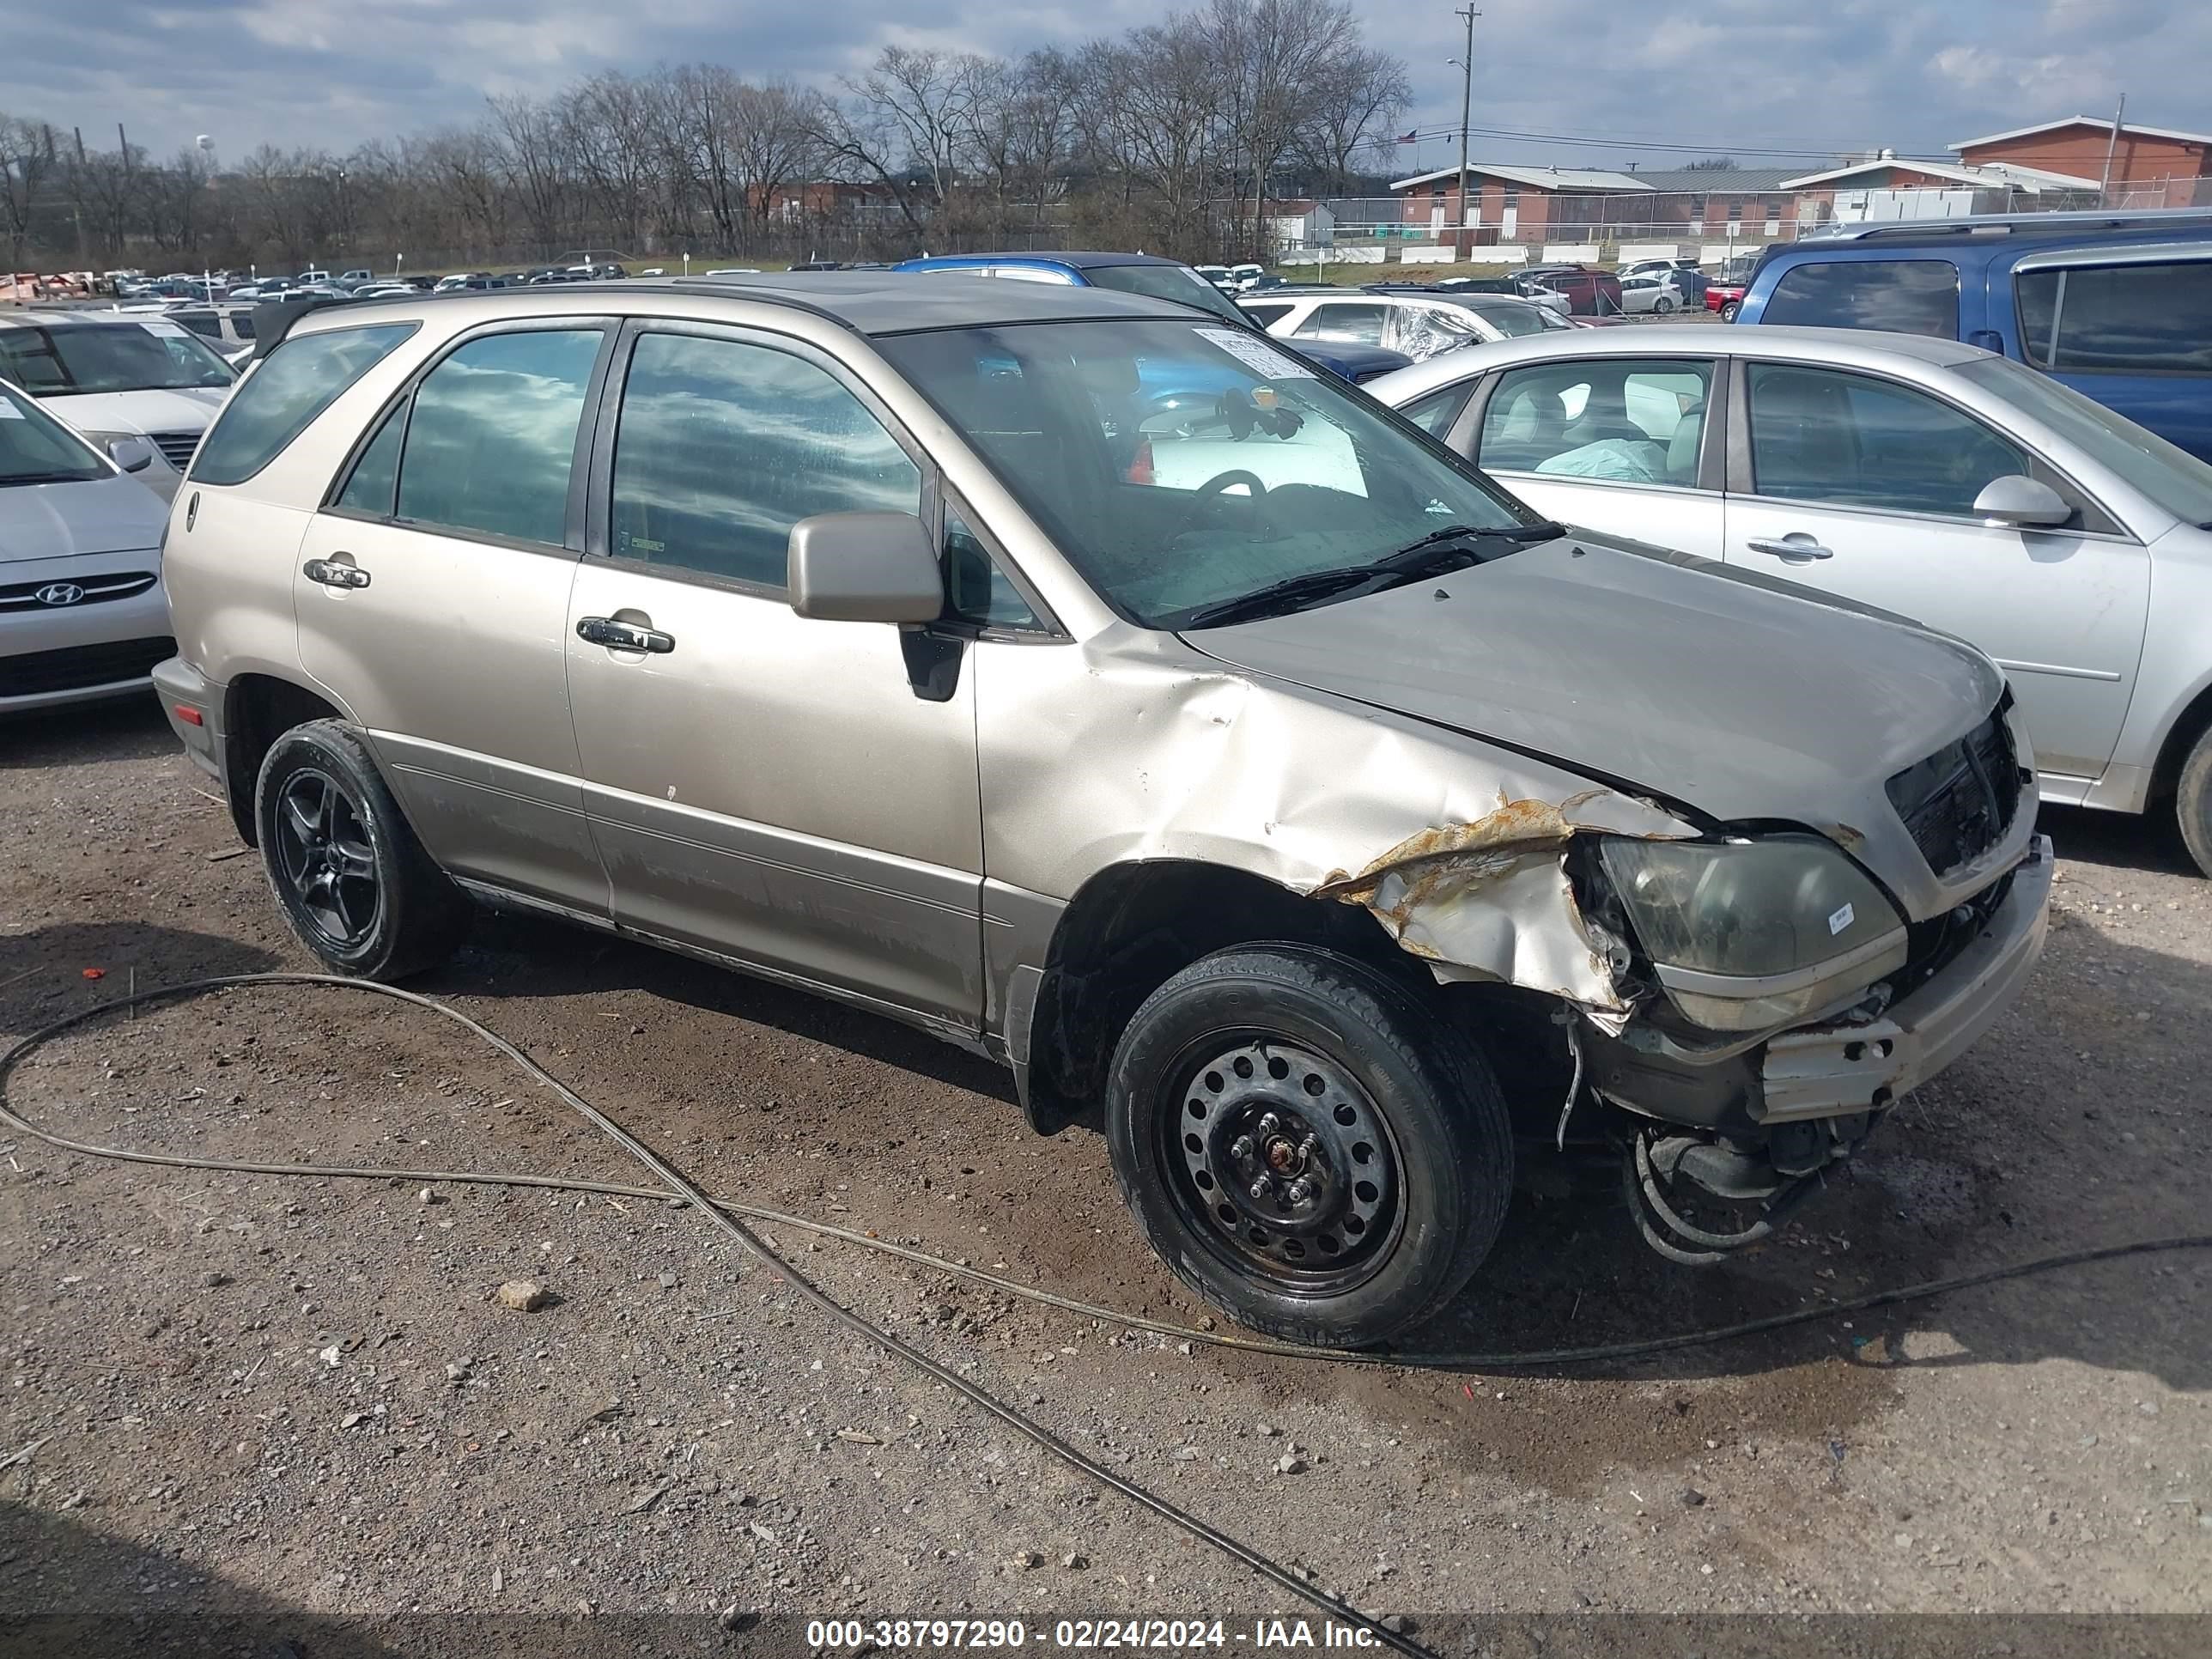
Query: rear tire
{"x": 1307, "y": 1146}
{"x": 1730, "y": 310}
{"x": 2192, "y": 803}
{"x": 1663, "y": 305}
{"x": 352, "y": 880}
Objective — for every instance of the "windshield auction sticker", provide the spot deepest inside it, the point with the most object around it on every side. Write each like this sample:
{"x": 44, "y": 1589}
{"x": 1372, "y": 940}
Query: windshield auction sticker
{"x": 1257, "y": 354}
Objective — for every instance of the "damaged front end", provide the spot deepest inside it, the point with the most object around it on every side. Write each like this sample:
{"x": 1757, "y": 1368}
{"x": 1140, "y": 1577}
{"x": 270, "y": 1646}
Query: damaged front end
{"x": 1751, "y": 1002}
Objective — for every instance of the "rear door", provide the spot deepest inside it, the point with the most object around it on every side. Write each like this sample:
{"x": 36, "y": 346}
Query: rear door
{"x": 1864, "y": 486}
{"x": 2131, "y": 327}
{"x": 797, "y": 794}
{"x": 1617, "y": 444}
{"x": 432, "y": 599}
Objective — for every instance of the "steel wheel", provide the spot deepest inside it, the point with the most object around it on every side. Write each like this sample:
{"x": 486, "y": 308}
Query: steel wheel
{"x": 324, "y": 855}
{"x": 1282, "y": 1165}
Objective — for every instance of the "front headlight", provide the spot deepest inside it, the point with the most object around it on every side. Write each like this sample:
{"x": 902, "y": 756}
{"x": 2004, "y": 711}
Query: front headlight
{"x": 1752, "y": 933}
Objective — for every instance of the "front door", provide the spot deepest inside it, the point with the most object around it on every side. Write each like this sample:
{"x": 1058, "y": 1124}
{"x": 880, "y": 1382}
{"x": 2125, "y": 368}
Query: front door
{"x": 432, "y": 601}
{"x": 1865, "y": 487}
{"x": 1611, "y": 444}
{"x": 800, "y": 795}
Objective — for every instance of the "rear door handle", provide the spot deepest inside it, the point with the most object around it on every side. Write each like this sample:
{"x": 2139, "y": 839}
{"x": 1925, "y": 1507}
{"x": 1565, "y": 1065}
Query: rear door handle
{"x": 330, "y": 574}
{"x": 1796, "y": 546}
{"x": 623, "y": 636}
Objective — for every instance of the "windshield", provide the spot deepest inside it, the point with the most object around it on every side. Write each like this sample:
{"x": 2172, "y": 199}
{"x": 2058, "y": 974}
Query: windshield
{"x": 154, "y": 356}
{"x": 2169, "y": 475}
{"x": 1178, "y": 465}
{"x": 1177, "y": 283}
{"x": 36, "y": 448}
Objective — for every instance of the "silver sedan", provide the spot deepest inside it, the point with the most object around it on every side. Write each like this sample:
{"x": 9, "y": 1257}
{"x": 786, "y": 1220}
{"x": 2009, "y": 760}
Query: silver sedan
{"x": 81, "y": 611}
{"x": 1934, "y": 480}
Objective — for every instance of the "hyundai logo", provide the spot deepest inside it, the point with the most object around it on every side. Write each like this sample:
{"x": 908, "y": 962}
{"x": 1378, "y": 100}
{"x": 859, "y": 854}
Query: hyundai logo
{"x": 59, "y": 593}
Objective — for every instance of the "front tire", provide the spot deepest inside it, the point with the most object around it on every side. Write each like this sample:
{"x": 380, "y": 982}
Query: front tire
{"x": 2192, "y": 803}
{"x": 1306, "y": 1145}
{"x": 352, "y": 880}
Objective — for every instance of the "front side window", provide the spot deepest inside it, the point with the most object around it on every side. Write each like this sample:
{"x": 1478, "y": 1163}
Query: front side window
{"x": 152, "y": 356}
{"x": 1180, "y": 466}
{"x": 723, "y": 445}
{"x": 37, "y": 449}
{"x": 1624, "y": 419}
{"x": 1817, "y": 435}
{"x": 2172, "y": 477}
{"x": 1905, "y": 296}
{"x": 492, "y": 439}
{"x": 2120, "y": 320}
{"x": 300, "y": 378}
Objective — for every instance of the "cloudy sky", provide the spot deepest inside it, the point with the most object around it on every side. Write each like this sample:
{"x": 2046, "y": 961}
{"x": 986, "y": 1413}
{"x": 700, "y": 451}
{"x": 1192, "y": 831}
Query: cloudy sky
{"x": 1746, "y": 76}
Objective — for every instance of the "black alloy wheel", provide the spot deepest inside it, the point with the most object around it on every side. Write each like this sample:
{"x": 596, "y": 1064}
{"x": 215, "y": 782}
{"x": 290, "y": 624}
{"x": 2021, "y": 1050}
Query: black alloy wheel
{"x": 324, "y": 855}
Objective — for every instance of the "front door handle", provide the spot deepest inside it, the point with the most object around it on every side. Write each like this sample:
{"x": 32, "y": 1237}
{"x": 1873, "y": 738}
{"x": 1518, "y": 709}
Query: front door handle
{"x": 330, "y": 574}
{"x": 1797, "y": 547}
{"x": 623, "y": 636}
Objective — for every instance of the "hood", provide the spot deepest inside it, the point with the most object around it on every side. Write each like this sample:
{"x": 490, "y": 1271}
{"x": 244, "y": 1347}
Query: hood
{"x": 1740, "y": 697}
{"x": 188, "y": 409}
{"x": 114, "y": 514}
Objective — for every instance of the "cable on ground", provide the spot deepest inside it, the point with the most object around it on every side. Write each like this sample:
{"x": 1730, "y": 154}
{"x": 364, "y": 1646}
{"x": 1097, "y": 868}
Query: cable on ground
{"x": 732, "y": 1217}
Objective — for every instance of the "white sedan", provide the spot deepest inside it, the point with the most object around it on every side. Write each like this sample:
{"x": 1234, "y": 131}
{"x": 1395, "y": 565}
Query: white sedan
{"x": 1928, "y": 478}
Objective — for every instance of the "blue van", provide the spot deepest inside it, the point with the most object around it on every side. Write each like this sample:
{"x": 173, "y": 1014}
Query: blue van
{"x": 2118, "y": 306}
{"x": 1162, "y": 279}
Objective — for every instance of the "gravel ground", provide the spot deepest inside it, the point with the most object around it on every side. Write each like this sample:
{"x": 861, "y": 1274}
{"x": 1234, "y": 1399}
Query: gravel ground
{"x": 278, "y": 1415}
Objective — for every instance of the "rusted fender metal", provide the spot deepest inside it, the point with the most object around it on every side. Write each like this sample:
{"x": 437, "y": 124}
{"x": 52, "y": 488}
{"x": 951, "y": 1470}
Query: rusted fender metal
{"x": 1490, "y": 899}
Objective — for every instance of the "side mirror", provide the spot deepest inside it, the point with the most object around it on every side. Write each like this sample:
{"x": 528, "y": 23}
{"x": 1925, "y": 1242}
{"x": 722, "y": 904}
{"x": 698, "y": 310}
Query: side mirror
{"x": 865, "y": 567}
{"x": 131, "y": 455}
{"x": 2024, "y": 502}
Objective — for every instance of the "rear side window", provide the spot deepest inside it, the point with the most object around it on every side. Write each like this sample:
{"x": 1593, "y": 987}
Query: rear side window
{"x": 1265, "y": 316}
{"x": 1906, "y": 296}
{"x": 492, "y": 441}
{"x": 275, "y": 404}
{"x": 1433, "y": 414}
{"x": 1349, "y": 325}
{"x": 1622, "y": 419}
{"x": 2119, "y": 319}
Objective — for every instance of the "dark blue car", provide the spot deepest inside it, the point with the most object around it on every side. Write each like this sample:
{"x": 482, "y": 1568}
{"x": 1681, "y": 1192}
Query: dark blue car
{"x": 2117, "y": 305}
{"x": 1162, "y": 279}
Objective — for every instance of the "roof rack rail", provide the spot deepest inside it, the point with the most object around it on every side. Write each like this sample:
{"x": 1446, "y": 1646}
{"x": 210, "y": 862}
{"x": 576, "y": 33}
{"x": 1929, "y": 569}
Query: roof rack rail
{"x": 1987, "y": 224}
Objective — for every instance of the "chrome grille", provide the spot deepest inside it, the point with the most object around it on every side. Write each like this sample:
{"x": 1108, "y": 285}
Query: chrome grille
{"x": 176, "y": 447}
{"x": 90, "y": 590}
{"x": 1959, "y": 802}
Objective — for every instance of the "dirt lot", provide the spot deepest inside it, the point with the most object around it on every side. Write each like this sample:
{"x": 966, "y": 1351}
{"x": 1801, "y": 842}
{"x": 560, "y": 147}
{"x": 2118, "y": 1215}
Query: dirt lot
{"x": 277, "y": 1415}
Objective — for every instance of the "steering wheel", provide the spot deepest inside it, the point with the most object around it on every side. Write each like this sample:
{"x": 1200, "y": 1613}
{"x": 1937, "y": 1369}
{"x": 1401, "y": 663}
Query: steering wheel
{"x": 1211, "y": 491}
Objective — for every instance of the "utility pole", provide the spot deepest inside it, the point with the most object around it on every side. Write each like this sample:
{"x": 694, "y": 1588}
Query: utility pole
{"x": 2104, "y": 184}
{"x": 1466, "y": 112}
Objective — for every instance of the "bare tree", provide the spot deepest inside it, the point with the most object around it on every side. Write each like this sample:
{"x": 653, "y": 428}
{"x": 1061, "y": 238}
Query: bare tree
{"x": 1357, "y": 107}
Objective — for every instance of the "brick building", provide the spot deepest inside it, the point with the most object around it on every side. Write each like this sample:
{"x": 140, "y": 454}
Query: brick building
{"x": 2156, "y": 166}
{"x": 1512, "y": 203}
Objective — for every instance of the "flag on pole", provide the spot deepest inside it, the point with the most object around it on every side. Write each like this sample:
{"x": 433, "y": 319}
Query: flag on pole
{"x": 1409, "y": 138}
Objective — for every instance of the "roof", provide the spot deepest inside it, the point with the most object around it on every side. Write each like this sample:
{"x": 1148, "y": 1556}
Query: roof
{"x": 2102, "y": 123}
{"x": 1535, "y": 178}
{"x": 870, "y": 302}
{"x": 1847, "y": 346}
{"x": 1715, "y": 181}
{"x": 1073, "y": 261}
{"x": 2007, "y": 174}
